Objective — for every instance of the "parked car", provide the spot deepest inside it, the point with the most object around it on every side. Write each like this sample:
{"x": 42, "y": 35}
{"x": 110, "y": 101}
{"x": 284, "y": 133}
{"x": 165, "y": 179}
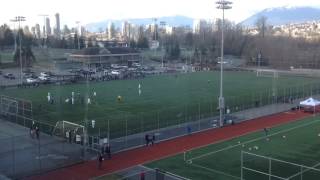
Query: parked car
{"x": 31, "y": 80}
{"x": 9, "y": 76}
{"x": 28, "y": 75}
{"x": 45, "y": 74}
{"x": 44, "y": 78}
{"x": 115, "y": 72}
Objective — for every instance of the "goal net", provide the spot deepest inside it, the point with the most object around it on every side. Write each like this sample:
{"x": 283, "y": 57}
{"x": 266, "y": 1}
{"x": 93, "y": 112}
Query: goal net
{"x": 63, "y": 129}
{"x": 267, "y": 73}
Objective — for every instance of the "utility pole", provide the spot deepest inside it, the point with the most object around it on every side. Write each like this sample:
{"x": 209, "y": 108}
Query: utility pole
{"x": 20, "y": 19}
{"x": 223, "y": 5}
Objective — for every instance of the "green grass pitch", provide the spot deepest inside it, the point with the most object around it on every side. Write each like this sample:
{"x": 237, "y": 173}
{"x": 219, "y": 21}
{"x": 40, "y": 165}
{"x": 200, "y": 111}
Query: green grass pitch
{"x": 165, "y": 100}
{"x": 297, "y": 142}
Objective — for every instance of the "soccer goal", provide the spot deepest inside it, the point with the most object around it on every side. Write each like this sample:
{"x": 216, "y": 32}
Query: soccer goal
{"x": 14, "y": 106}
{"x": 254, "y": 166}
{"x": 267, "y": 73}
{"x": 8, "y": 106}
{"x": 62, "y": 129}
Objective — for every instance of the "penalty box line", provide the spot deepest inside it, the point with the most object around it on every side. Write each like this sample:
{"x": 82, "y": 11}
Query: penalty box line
{"x": 214, "y": 170}
{"x": 253, "y": 140}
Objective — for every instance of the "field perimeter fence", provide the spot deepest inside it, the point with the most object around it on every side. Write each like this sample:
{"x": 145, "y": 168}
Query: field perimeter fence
{"x": 126, "y": 130}
{"x": 148, "y": 173}
{"x": 254, "y": 166}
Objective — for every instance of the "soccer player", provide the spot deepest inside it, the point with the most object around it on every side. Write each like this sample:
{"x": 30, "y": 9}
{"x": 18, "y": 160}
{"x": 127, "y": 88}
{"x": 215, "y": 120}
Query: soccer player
{"x": 119, "y": 98}
{"x": 266, "y": 131}
{"x": 49, "y": 97}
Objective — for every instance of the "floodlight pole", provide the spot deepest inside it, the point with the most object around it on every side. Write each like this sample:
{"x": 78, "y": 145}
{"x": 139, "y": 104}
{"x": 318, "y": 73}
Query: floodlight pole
{"x": 224, "y": 5}
{"x": 19, "y": 19}
{"x": 78, "y": 31}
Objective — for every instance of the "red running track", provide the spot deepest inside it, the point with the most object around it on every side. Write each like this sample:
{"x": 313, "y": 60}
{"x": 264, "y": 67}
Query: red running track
{"x": 164, "y": 149}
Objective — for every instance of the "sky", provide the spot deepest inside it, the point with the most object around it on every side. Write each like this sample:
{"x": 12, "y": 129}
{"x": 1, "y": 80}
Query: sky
{"x": 88, "y": 11}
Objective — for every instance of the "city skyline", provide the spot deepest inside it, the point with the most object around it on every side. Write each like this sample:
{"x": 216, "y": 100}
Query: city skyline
{"x": 98, "y": 10}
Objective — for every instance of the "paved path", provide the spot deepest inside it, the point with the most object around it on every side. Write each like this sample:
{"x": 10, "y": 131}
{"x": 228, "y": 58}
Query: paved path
{"x": 21, "y": 155}
{"x": 168, "y": 148}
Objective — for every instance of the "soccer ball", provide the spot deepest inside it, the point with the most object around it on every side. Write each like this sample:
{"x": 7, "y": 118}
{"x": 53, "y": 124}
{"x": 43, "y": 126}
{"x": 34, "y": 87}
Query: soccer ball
{"x": 239, "y": 142}
{"x": 283, "y": 136}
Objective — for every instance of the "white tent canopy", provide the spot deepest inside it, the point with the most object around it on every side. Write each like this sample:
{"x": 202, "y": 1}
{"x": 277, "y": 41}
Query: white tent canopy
{"x": 310, "y": 102}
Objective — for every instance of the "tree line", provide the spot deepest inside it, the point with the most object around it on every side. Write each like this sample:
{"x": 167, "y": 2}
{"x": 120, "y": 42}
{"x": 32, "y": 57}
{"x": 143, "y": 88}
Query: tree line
{"x": 264, "y": 47}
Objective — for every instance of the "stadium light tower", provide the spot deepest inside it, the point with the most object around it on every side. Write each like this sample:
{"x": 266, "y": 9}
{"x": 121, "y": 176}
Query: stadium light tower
{"x": 78, "y": 32}
{"x": 19, "y": 19}
{"x": 223, "y": 5}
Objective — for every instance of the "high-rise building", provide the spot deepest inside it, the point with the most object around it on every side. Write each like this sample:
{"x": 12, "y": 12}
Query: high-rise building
{"x": 199, "y": 26}
{"x": 48, "y": 27}
{"x": 126, "y": 31}
{"x": 38, "y": 31}
{"x": 57, "y": 28}
{"x": 33, "y": 32}
{"x": 111, "y": 30}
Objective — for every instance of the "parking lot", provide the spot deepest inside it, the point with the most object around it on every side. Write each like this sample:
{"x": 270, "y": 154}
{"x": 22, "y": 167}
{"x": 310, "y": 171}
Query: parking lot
{"x": 37, "y": 76}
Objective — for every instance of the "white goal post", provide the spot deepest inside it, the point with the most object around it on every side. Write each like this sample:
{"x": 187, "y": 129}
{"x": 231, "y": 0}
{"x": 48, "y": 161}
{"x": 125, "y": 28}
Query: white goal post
{"x": 62, "y": 129}
{"x": 267, "y": 73}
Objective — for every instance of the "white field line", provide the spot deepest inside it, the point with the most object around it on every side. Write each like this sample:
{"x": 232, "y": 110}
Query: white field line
{"x": 215, "y": 171}
{"x": 172, "y": 175}
{"x": 253, "y": 140}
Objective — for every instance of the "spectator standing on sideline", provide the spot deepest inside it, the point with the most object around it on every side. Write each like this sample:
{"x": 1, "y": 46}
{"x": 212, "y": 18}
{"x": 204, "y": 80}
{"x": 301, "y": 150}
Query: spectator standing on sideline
{"x": 108, "y": 151}
{"x": 153, "y": 139}
{"x": 147, "y": 139}
{"x": 31, "y": 132}
{"x": 189, "y": 130}
{"x": 266, "y": 131}
{"x": 100, "y": 160}
{"x": 142, "y": 175}
{"x": 70, "y": 136}
{"x": 37, "y": 132}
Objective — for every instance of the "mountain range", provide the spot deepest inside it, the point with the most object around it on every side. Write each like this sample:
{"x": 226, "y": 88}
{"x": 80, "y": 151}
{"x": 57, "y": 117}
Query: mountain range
{"x": 275, "y": 16}
{"x": 285, "y": 15}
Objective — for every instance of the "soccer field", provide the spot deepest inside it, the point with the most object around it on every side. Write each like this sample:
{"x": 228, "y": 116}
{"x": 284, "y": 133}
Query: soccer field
{"x": 296, "y": 142}
{"x": 165, "y": 99}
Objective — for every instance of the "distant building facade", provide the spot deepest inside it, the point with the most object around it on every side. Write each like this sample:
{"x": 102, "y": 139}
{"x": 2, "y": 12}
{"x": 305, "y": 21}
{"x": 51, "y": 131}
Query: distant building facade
{"x": 48, "y": 27}
{"x": 57, "y": 28}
